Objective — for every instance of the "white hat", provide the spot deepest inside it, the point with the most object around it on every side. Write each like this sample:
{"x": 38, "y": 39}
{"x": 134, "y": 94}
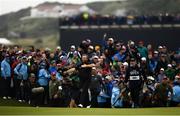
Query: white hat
{"x": 108, "y": 77}
{"x": 156, "y": 52}
{"x": 125, "y": 64}
{"x": 111, "y": 39}
{"x": 162, "y": 69}
{"x": 73, "y": 47}
{"x": 58, "y": 48}
{"x": 132, "y": 43}
{"x": 93, "y": 68}
{"x": 91, "y": 47}
{"x": 143, "y": 59}
{"x": 95, "y": 57}
{"x": 150, "y": 78}
{"x": 160, "y": 47}
{"x": 177, "y": 77}
{"x": 169, "y": 65}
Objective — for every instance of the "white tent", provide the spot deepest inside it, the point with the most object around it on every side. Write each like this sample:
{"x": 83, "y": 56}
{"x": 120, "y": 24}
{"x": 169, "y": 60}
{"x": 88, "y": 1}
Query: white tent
{"x": 5, "y": 41}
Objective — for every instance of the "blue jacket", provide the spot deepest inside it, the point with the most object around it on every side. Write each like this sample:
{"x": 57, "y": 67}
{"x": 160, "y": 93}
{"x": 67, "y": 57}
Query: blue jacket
{"x": 22, "y": 71}
{"x": 5, "y": 69}
{"x": 176, "y": 93}
{"x": 43, "y": 77}
{"x": 115, "y": 96}
{"x": 121, "y": 57}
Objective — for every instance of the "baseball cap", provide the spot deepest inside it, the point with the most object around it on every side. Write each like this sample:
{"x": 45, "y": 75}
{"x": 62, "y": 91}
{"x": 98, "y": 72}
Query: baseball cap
{"x": 91, "y": 47}
{"x": 58, "y": 48}
{"x": 143, "y": 59}
{"x": 73, "y": 47}
{"x": 169, "y": 65}
{"x": 155, "y": 52}
{"x": 162, "y": 69}
{"x": 95, "y": 57}
{"x": 111, "y": 39}
{"x": 125, "y": 64}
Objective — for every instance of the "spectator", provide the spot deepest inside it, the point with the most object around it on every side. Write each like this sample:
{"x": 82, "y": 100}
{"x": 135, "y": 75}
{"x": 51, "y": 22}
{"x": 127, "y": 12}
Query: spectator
{"x": 142, "y": 50}
{"x": 21, "y": 80}
{"x": 55, "y": 89}
{"x": 161, "y": 93}
{"x": 43, "y": 81}
{"x": 175, "y": 101}
{"x": 5, "y": 77}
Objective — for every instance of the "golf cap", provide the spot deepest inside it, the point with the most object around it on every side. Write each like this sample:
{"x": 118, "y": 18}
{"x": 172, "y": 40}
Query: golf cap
{"x": 162, "y": 69}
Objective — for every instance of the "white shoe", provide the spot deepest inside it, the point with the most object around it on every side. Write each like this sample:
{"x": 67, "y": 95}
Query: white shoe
{"x": 88, "y": 106}
{"x": 29, "y": 102}
{"x": 20, "y": 101}
{"x": 80, "y": 105}
{"x": 9, "y": 97}
{"x": 4, "y": 97}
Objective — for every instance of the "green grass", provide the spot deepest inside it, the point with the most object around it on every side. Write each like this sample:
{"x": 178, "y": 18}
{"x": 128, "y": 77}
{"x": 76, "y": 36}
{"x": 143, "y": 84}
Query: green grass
{"x": 92, "y": 111}
{"x": 12, "y": 107}
{"x": 11, "y": 103}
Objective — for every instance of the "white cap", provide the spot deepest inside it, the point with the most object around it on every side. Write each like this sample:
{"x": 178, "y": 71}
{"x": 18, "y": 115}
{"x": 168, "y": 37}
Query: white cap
{"x": 123, "y": 47}
{"x": 160, "y": 47}
{"x": 156, "y": 52}
{"x": 93, "y": 68}
{"x": 58, "y": 48}
{"x": 125, "y": 64}
{"x": 132, "y": 43}
{"x": 150, "y": 78}
{"x": 91, "y": 47}
{"x": 169, "y": 65}
{"x": 177, "y": 77}
{"x": 73, "y": 47}
{"x": 95, "y": 57}
{"x": 162, "y": 69}
{"x": 111, "y": 39}
{"x": 108, "y": 77}
{"x": 143, "y": 59}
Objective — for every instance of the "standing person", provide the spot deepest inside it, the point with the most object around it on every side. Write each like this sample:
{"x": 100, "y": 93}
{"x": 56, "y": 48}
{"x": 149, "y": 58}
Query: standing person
{"x": 134, "y": 76}
{"x": 21, "y": 80}
{"x": 84, "y": 70}
{"x": 5, "y": 77}
{"x": 95, "y": 87}
{"x": 142, "y": 49}
{"x": 43, "y": 81}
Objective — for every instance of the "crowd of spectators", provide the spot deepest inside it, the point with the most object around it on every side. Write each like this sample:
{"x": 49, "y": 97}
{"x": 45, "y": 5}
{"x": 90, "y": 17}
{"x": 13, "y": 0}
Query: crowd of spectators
{"x": 85, "y": 19}
{"x": 115, "y": 74}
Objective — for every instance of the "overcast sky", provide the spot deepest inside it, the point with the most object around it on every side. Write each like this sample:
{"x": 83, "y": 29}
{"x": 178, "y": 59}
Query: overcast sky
{"x": 7, "y": 6}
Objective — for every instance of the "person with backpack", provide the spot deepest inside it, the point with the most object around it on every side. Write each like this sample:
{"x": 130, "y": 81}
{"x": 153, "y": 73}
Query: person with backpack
{"x": 21, "y": 80}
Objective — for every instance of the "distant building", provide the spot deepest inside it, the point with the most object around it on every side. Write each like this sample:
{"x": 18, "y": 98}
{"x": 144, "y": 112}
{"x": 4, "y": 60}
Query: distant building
{"x": 54, "y": 10}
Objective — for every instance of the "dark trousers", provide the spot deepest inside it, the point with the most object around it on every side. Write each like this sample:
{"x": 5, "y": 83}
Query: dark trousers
{"x": 84, "y": 85}
{"x": 45, "y": 99}
{"x": 56, "y": 102}
{"x": 22, "y": 91}
{"x": 36, "y": 99}
{"x": 5, "y": 86}
{"x": 135, "y": 92}
{"x": 94, "y": 95}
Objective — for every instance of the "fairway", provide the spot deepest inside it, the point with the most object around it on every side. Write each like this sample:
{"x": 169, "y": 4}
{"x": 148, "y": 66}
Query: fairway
{"x": 8, "y": 110}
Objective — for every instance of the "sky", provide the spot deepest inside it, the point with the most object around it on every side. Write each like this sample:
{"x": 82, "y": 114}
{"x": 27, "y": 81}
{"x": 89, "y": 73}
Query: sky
{"x": 7, "y": 6}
